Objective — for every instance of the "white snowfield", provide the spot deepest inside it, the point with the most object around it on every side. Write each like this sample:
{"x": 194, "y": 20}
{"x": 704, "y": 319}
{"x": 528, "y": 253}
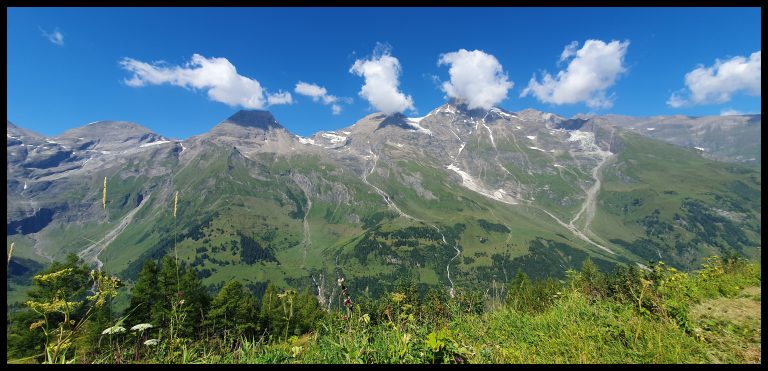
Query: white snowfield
{"x": 650, "y": 129}
{"x": 531, "y": 137}
{"x": 303, "y": 140}
{"x": 700, "y": 149}
{"x": 154, "y": 143}
{"x": 447, "y": 109}
{"x": 537, "y": 148}
{"x": 500, "y": 112}
{"x": 334, "y": 138}
{"x": 414, "y": 123}
{"x": 470, "y": 183}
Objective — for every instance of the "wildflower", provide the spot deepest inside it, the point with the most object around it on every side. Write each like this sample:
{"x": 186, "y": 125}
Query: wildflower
{"x": 365, "y": 318}
{"x": 181, "y": 302}
{"x": 398, "y": 297}
{"x": 151, "y": 342}
{"x": 36, "y": 324}
{"x": 141, "y": 327}
{"x": 113, "y": 330}
{"x": 347, "y": 302}
{"x": 344, "y": 318}
{"x": 340, "y": 281}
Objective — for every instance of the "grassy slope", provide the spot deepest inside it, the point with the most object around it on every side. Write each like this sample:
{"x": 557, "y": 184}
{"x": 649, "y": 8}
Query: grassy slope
{"x": 575, "y": 328}
{"x": 651, "y": 175}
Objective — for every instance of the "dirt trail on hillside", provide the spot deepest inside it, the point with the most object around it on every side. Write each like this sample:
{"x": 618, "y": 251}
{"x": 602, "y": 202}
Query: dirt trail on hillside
{"x": 91, "y": 253}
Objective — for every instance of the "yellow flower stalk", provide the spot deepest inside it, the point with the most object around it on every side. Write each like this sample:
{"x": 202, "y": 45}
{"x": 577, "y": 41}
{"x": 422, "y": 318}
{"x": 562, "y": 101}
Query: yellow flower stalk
{"x": 175, "y": 202}
{"x": 104, "y": 197}
{"x": 10, "y": 253}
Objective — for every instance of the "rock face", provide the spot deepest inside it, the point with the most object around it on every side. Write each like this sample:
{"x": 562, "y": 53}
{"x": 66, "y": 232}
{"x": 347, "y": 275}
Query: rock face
{"x": 460, "y": 196}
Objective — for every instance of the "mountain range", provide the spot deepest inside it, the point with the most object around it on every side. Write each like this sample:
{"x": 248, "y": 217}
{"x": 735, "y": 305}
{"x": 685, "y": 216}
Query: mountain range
{"x": 458, "y": 198}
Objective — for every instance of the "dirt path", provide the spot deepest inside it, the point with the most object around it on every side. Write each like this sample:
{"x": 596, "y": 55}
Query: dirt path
{"x": 383, "y": 194}
{"x": 574, "y": 230}
{"x": 91, "y": 253}
{"x": 588, "y": 208}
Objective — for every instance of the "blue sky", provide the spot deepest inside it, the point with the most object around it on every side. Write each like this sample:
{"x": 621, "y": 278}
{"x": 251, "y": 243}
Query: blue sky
{"x": 71, "y": 66}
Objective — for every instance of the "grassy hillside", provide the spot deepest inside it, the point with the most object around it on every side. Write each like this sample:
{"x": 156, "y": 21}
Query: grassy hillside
{"x": 660, "y": 315}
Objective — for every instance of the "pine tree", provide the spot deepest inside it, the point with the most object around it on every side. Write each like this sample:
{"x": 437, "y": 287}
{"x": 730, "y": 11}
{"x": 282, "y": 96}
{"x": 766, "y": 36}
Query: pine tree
{"x": 167, "y": 291}
{"x": 144, "y": 295}
{"x": 307, "y": 313}
{"x": 272, "y": 318}
{"x": 233, "y": 312}
{"x": 196, "y": 302}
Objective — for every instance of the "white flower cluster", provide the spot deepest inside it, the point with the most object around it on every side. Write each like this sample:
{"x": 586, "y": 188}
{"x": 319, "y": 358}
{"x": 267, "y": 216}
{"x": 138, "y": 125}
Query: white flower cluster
{"x": 141, "y": 327}
{"x": 151, "y": 342}
{"x": 113, "y": 330}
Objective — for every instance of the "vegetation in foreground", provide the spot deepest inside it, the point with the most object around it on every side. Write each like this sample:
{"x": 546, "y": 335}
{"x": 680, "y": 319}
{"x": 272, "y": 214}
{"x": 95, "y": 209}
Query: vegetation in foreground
{"x": 631, "y": 315}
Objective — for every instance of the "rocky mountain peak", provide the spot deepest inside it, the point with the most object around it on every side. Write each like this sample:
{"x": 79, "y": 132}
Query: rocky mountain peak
{"x": 108, "y": 130}
{"x": 254, "y": 118}
{"x": 530, "y": 114}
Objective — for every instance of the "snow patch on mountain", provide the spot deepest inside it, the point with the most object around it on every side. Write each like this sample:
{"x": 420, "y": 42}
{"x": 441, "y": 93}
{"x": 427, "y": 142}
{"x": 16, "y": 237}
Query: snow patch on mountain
{"x": 414, "y": 123}
{"x": 473, "y": 185}
{"x": 586, "y": 142}
{"x": 303, "y": 140}
{"x": 154, "y": 143}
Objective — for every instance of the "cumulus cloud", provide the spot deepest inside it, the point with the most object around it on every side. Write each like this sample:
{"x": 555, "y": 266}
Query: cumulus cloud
{"x": 593, "y": 69}
{"x": 279, "y": 98}
{"x": 717, "y": 84}
{"x": 381, "y": 73}
{"x": 320, "y": 94}
{"x": 216, "y": 75}
{"x": 477, "y": 78}
{"x": 569, "y": 51}
{"x": 730, "y": 112}
{"x": 55, "y": 37}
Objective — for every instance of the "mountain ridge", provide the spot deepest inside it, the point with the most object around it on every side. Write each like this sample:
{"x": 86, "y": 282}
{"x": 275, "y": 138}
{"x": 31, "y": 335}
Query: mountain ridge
{"x": 457, "y": 197}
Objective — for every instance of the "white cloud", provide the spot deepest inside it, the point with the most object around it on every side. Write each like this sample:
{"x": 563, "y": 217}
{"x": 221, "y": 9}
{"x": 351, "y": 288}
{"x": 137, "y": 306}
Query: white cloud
{"x": 477, "y": 78}
{"x": 55, "y": 37}
{"x": 216, "y": 75}
{"x": 311, "y": 90}
{"x": 675, "y": 100}
{"x": 569, "y": 51}
{"x": 732, "y": 112}
{"x": 717, "y": 84}
{"x": 381, "y": 74}
{"x": 279, "y": 98}
{"x": 319, "y": 93}
{"x": 593, "y": 70}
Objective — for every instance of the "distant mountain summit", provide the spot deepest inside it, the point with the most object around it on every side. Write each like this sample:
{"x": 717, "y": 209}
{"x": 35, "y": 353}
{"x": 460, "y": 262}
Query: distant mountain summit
{"x": 255, "y": 119}
{"x": 250, "y": 131}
